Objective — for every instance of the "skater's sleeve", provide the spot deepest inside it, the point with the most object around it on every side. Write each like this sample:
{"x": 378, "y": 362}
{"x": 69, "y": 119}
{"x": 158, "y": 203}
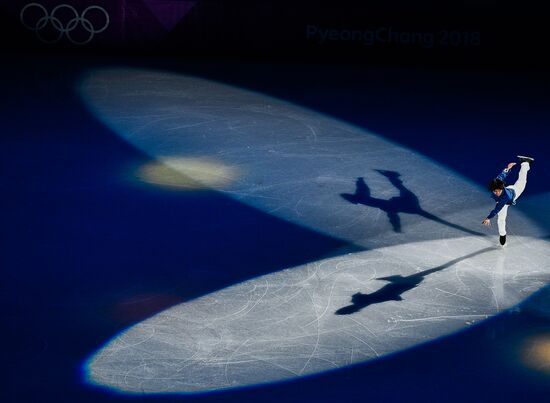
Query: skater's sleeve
{"x": 503, "y": 174}
{"x": 497, "y": 208}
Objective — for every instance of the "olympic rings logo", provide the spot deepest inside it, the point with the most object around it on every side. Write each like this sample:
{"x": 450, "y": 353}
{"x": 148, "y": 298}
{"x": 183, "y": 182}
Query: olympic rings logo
{"x": 63, "y": 20}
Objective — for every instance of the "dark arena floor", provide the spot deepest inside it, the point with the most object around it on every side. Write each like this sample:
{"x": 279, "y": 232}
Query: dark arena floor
{"x": 216, "y": 229}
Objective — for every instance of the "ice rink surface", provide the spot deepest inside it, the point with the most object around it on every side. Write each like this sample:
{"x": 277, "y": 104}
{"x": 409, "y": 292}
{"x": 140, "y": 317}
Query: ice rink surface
{"x": 418, "y": 266}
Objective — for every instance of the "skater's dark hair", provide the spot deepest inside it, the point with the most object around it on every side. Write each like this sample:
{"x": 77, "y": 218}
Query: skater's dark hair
{"x": 496, "y": 184}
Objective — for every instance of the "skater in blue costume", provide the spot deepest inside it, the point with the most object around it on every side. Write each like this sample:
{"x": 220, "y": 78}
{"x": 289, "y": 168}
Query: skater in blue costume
{"x": 507, "y": 195}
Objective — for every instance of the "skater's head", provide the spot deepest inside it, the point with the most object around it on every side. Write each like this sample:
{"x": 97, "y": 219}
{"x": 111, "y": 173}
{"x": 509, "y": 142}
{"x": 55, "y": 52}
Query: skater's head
{"x": 496, "y": 186}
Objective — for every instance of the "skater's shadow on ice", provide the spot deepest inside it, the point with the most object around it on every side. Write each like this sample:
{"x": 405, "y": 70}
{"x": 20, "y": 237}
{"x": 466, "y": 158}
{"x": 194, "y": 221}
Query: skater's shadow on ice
{"x": 406, "y": 202}
{"x": 397, "y": 286}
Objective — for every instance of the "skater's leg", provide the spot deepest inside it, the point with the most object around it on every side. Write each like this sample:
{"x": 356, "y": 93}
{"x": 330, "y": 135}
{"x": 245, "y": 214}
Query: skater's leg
{"x": 501, "y": 221}
{"x": 519, "y": 186}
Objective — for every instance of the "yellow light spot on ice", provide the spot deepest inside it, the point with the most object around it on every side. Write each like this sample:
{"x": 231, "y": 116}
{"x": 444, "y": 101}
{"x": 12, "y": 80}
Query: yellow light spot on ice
{"x": 188, "y": 173}
{"x": 536, "y": 353}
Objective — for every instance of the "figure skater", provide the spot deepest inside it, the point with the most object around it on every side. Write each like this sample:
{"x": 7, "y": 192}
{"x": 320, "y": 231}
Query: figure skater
{"x": 507, "y": 195}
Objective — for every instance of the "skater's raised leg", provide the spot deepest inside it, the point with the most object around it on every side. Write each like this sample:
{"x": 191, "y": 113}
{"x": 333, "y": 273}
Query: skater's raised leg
{"x": 520, "y": 184}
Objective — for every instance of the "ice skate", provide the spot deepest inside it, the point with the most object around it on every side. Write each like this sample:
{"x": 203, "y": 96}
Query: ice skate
{"x": 523, "y": 158}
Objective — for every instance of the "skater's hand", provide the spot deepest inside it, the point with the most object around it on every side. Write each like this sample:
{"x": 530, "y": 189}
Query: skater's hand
{"x": 486, "y": 222}
{"x": 510, "y": 165}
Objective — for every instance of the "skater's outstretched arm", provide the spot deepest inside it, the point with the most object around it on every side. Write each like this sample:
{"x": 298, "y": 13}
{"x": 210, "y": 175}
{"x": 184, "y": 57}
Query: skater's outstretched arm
{"x": 500, "y": 204}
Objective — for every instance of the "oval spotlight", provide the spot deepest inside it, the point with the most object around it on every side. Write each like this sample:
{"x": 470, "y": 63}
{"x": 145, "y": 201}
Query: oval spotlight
{"x": 323, "y": 316}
